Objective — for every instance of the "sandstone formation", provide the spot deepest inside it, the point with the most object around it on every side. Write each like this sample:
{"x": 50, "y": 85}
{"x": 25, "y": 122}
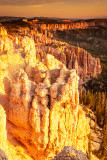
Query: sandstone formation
{"x": 9, "y": 149}
{"x": 3, "y": 132}
{"x": 46, "y": 115}
{"x": 37, "y": 47}
{"x": 29, "y": 50}
{"x": 40, "y": 80}
{"x": 3, "y": 31}
{"x": 67, "y": 24}
{"x": 53, "y": 63}
{"x": 6, "y": 45}
{"x": 74, "y": 58}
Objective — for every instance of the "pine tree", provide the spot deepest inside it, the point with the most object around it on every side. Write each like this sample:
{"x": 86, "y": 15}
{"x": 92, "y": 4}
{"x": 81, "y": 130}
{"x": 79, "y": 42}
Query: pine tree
{"x": 88, "y": 98}
{"x": 98, "y": 107}
{"x": 81, "y": 97}
{"x": 103, "y": 101}
{"x": 92, "y": 101}
{"x": 84, "y": 98}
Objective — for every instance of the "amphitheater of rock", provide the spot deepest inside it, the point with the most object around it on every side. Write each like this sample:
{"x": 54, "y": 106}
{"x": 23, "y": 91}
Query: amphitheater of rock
{"x": 43, "y": 99}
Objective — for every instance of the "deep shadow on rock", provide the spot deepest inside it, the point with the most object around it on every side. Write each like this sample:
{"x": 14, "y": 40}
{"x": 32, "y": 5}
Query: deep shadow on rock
{"x": 70, "y": 153}
{"x": 3, "y": 155}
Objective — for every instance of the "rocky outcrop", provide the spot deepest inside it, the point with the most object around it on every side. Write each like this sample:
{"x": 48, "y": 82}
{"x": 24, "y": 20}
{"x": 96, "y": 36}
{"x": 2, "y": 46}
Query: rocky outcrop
{"x": 3, "y": 132}
{"x": 52, "y": 63}
{"x": 67, "y": 24}
{"x": 73, "y": 58}
{"x": 6, "y": 45}
{"x": 10, "y": 148}
{"x": 3, "y": 31}
{"x": 44, "y": 112}
{"x": 29, "y": 50}
{"x": 46, "y": 115}
{"x": 70, "y": 153}
{"x": 84, "y": 63}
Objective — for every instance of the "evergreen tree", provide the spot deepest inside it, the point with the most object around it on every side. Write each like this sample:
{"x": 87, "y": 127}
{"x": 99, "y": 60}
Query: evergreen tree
{"x": 98, "y": 107}
{"x": 95, "y": 99}
{"x": 92, "y": 101}
{"x": 88, "y": 98}
{"x": 103, "y": 99}
{"x": 84, "y": 98}
{"x": 80, "y": 96}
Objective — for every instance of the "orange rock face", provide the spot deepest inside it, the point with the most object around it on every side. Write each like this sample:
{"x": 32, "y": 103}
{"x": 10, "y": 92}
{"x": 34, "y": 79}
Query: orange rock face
{"x": 3, "y": 132}
{"x": 47, "y": 115}
{"x": 73, "y": 58}
{"x": 68, "y": 24}
{"x": 41, "y": 84}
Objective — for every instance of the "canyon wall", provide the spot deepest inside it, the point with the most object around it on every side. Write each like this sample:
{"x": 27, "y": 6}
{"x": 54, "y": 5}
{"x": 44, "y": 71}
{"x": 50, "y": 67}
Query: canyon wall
{"x": 73, "y": 58}
{"x": 42, "y": 91}
{"x": 3, "y": 132}
{"x": 47, "y": 116}
{"x": 67, "y": 24}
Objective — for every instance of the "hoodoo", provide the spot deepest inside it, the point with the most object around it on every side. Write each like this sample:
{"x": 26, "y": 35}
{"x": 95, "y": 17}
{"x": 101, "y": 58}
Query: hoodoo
{"x": 46, "y": 115}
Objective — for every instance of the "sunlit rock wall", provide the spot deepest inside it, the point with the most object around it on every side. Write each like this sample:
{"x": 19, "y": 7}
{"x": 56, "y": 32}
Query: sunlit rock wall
{"x": 47, "y": 115}
{"x": 3, "y": 132}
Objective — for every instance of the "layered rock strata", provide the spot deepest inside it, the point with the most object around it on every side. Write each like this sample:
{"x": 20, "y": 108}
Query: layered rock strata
{"x": 46, "y": 115}
{"x": 67, "y": 24}
{"x": 74, "y": 58}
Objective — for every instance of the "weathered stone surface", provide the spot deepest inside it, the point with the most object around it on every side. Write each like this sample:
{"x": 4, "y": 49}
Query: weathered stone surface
{"x": 72, "y": 58}
{"x": 43, "y": 110}
{"x": 29, "y": 50}
{"x": 47, "y": 115}
{"x": 3, "y": 132}
{"x": 3, "y": 31}
{"x": 69, "y": 56}
{"x": 53, "y": 63}
{"x": 21, "y": 94}
{"x": 6, "y": 45}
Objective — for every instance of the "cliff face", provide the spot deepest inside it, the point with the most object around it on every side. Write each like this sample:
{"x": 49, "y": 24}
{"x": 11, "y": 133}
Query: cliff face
{"x": 3, "y": 132}
{"x": 43, "y": 101}
{"x": 47, "y": 116}
{"x": 67, "y": 24}
{"x": 74, "y": 58}
{"x": 9, "y": 148}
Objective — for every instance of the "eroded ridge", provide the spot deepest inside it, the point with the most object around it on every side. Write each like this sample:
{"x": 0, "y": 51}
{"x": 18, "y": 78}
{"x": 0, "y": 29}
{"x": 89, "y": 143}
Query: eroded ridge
{"x": 46, "y": 114}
